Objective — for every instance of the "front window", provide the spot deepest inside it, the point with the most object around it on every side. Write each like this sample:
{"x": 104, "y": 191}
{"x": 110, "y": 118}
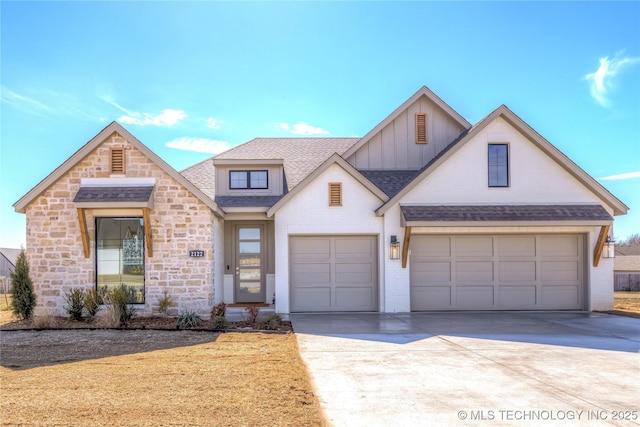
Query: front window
{"x": 120, "y": 255}
{"x": 498, "y": 165}
{"x": 242, "y": 180}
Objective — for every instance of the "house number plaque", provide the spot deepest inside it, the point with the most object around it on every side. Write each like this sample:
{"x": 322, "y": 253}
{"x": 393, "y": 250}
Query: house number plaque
{"x": 196, "y": 254}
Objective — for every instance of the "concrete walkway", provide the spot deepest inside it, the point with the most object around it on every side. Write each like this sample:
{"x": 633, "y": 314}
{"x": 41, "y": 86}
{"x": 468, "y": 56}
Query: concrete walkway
{"x": 474, "y": 368}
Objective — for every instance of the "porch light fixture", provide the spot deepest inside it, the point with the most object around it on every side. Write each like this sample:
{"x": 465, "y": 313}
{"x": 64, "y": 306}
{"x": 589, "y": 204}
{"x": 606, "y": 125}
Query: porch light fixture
{"x": 394, "y": 252}
{"x": 609, "y": 248}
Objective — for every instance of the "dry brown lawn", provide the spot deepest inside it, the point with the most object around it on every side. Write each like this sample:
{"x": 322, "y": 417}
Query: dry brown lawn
{"x": 627, "y": 303}
{"x": 153, "y": 378}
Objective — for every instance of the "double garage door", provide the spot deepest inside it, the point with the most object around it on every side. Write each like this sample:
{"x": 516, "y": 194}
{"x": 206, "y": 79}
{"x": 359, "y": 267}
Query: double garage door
{"x": 500, "y": 272}
{"x": 333, "y": 273}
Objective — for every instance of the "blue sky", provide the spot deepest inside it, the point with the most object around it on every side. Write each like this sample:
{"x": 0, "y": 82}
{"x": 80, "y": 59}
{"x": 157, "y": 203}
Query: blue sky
{"x": 191, "y": 79}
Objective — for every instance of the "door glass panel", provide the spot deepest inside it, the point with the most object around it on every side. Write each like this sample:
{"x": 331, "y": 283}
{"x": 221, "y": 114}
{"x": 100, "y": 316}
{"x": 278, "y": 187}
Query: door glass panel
{"x": 249, "y": 274}
{"x": 249, "y": 247}
{"x": 249, "y": 287}
{"x": 249, "y": 234}
{"x": 249, "y": 260}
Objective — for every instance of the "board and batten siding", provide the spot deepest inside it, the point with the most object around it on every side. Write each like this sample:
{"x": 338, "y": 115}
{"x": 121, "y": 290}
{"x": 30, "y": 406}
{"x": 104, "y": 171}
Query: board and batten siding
{"x": 394, "y": 147}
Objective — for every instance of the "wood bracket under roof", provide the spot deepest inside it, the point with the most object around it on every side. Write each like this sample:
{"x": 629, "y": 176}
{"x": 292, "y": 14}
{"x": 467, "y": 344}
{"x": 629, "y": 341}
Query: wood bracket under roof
{"x": 602, "y": 239}
{"x": 405, "y": 246}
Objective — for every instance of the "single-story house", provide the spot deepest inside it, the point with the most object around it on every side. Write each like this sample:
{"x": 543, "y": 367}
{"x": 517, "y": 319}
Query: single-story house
{"x": 8, "y": 258}
{"x": 424, "y": 212}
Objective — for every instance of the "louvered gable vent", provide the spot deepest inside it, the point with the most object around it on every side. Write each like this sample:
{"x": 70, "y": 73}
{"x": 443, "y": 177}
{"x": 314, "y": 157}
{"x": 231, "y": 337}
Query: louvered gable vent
{"x": 335, "y": 194}
{"x": 117, "y": 160}
{"x": 421, "y": 128}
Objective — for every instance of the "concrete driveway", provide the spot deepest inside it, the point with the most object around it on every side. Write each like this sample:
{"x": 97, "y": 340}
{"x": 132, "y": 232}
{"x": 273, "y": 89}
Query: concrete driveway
{"x": 474, "y": 368}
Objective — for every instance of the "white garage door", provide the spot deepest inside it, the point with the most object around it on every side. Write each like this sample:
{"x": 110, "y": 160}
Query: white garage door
{"x": 504, "y": 272}
{"x": 333, "y": 273}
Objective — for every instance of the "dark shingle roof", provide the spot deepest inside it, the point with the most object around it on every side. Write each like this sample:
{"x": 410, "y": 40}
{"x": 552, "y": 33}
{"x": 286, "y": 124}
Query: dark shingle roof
{"x": 246, "y": 201}
{"x": 506, "y": 213}
{"x": 390, "y": 181}
{"x": 114, "y": 194}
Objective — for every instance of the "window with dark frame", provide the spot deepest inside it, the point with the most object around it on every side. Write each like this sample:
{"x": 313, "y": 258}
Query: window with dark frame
{"x": 245, "y": 180}
{"x": 498, "y": 161}
{"x": 120, "y": 256}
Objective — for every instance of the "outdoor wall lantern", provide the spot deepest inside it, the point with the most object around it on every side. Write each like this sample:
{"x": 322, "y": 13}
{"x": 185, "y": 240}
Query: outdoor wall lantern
{"x": 394, "y": 252}
{"x": 609, "y": 248}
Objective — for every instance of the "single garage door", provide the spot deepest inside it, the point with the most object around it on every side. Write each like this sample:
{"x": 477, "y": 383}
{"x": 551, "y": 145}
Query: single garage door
{"x": 503, "y": 272}
{"x": 333, "y": 273}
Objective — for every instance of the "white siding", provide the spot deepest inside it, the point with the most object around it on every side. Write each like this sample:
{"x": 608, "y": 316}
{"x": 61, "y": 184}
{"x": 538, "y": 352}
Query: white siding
{"x": 309, "y": 213}
{"x": 534, "y": 176}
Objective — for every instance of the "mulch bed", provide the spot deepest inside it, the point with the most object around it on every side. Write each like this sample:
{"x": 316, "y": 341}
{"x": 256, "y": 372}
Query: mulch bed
{"x": 137, "y": 323}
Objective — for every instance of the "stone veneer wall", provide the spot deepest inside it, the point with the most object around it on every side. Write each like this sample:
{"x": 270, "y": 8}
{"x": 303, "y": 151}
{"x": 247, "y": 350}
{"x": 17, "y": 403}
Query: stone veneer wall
{"x": 179, "y": 222}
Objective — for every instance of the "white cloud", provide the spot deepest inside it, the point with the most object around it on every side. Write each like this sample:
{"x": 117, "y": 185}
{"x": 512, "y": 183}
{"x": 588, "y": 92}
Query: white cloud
{"x": 168, "y": 117}
{"x": 213, "y": 123}
{"x": 630, "y": 175}
{"x": 603, "y": 79}
{"x": 301, "y": 128}
{"x": 200, "y": 145}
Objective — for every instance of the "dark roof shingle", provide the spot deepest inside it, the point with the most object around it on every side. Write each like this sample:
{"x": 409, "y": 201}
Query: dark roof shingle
{"x": 246, "y": 201}
{"x": 113, "y": 194}
{"x": 506, "y": 213}
{"x": 390, "y": 181}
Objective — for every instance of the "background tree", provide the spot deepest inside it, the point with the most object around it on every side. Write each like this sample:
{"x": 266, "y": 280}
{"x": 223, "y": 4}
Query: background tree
{"x": 23, "y": 299}
{"x": 633, "y": 240}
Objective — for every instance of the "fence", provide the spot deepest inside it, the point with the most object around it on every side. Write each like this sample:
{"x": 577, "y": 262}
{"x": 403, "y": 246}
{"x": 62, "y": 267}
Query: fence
{"x": 626, "y": 282}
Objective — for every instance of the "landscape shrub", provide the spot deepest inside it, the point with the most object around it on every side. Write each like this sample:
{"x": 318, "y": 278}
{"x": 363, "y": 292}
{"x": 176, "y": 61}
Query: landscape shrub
{"x": 219, "y": 309}
{"x": 75, "y": 303}
{"x": 219, "y": 322}
{"x": 189, "y": 319}
{"x": 120, "y": 312}
{"x": 270, "y": 323}
{"x": 165, "y": 303}
{"x": 252, "y": 314}
{"x": 92, "y": 301}
{"x": 23, "y": 298}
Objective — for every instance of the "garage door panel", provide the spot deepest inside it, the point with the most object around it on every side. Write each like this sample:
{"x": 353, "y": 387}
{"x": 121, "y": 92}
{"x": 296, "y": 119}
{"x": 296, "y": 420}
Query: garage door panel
{"x": 517, "y": 297}
{"x": 560, "y": 270}
{"x": 431, "y": 298}
{"x": 470, "y": 271}
{"x": 354, "y": 273}
{"x": 517, "y": 271}
{"x": 432, "y": 272}
{"x": 311, "y": 248}
{"x": 307, "y": 273}
{"x": 516, "y": 246}
{"x": 474, "y": 246}
{"x": 333, "y": 273}
{"x": 311, "y": 299}
{"x": 499, "y": 272}
{"x": 475, "y": 297}
{"x": 560, "y": 245}
{"x": 561, "y": 297}
{"x": 433, "y": 246}
{"x": 354, "y": 298}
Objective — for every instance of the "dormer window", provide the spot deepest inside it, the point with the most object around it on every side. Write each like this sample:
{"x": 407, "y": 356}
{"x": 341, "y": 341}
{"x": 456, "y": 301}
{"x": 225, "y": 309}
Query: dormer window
{"x": 248, "y": 180}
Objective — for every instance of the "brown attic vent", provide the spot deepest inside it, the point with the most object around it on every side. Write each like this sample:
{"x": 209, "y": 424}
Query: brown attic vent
{"x": 335, "y": 194}
{"x": 421, "y": 128}
{"x": 117, "y": 160}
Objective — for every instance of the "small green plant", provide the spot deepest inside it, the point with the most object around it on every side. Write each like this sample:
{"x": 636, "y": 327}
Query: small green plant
{"x": 219, "y": 322}
{"x": 23, "y": 298}
{"x": 117, "y": 302}
{"x": 92, "y": 301}
{"x": 189, "y": 319}
{"x": 219, "y": 309}
{"x": 165, "y": 303}
{"x": 75, "y": 303}
{"x": 252, "y": 314}
{"x": 270, "y": 323}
